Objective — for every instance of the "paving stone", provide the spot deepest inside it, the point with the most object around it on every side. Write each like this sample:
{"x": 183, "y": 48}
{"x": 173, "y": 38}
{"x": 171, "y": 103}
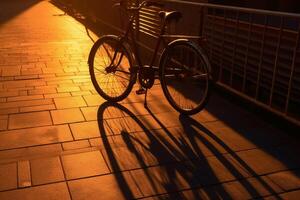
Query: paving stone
{"x": 112, "y": 112}
{"x": 160, "y": 180}
{"x": 52, "y": 70}
{"x": 31, "y": 71}
{"x": 62, "y": 74}
{"x": 57, "y": 81}
{"x": 69, "y": 102}
{"x": 45, "y": 192}
{"x": 113, "y": 141}
{"x": 232, "y": 138}
{"x": 132, "y": 124}
{"x": 8, "y": 176}
{"x": 56, "y": 95}
{"x": 9, "y": 94}
{"x": 251, "y": 188}
{"x": 23, "y": 92}
{"x": 34, "y": 136}
{"x": 175, "y": 144}
{"x": 46, "y": 170}
{"x": 3, "y": 117}
{"x": 84, "y": 165}
{"x": 24, "y": 98}
{"x": 90, "y": 113}
{"x": 67, "y": 116}
{"x": 9, "y": 111}
{"x": 2, "y": 100}
{"x": 38, "y": 108}
{"x": 27, "y": 120}
{"x": 246, "y": 189}
{"x": 76, "y": 145}
{"x": 93, "y": 100}
{"x": 89, "y": 129}
{"x": 36, "y": 83}
{"x": 70, "y": 69}
{"x": 3, "y": 124}
{"x": 260, "y": 162}
{"x": 28, "y": 153}
{"x": 155, "y": 108}
{"x": 288, "y": 180}
{"x": 11, "y": 71}
{"x": 24, "y": 176}
{"x": 217, "y": 169}
{"x": 291, "y": 195}
{"x": 121, "y": 159}
{"x": 82, "y": 80}
{"x": 81, "y": 93}
{"x": 68, "y": 89}
{"x": 43, "y": 90}
{"x": 114, "y": 186}
{"x": 125, "y": 124}
{"x": 205, "y": 116}
{"x": 17, "y": 104}
{"x": 88, "y": 88}
{"x": 169, "y": 196}
{"x": 172, "y": 178}
{"x": 168, "y": 119}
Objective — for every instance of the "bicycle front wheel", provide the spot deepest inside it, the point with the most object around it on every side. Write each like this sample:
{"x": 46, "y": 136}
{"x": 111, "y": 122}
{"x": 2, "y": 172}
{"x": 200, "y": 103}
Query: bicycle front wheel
{"x": 184, "y": 76}
{"x": 111, "y": 68}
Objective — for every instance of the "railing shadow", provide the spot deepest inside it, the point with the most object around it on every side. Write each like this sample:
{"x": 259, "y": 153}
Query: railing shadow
{"x": 176, "y": 155}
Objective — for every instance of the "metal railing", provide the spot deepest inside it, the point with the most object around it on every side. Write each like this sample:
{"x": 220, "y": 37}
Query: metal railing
{"x": 254, "y": 53}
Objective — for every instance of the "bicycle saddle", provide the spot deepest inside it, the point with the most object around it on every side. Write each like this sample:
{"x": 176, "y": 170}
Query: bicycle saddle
{"x": 172, "y": 15}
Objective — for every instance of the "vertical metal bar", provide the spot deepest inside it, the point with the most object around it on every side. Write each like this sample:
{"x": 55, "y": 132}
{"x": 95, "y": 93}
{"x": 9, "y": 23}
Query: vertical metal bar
{"x": 212, "y": 32}
{"x": 247, "y": 52}
{"x": 261, "y": 57}
{"x": 276, "y": 61}
{"x": 292, "y": 71}
{"x": 137, "y": 24}
{"x": 222, "y": 54}
{"x": 237, "y": 22}
{"x": 201, "y": 23}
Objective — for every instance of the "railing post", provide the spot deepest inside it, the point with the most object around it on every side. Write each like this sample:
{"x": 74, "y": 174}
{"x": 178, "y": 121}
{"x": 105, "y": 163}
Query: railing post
{"x": 247, "y": 52}
{"x": 276, "y": 61}
{"x": 292, "y": 70}
{"x": 237, "y": 20}
{"x": 223, "y": 43}
{"x": 261, "y": 57}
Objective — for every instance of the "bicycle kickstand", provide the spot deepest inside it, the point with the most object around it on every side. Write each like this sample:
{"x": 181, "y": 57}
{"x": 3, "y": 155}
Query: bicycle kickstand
{"x": 145, "y": 99}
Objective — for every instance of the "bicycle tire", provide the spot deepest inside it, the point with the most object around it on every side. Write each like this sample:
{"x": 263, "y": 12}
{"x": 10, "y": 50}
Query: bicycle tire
{"x": 185, "y": 70}
{"x": 112, "y": 86}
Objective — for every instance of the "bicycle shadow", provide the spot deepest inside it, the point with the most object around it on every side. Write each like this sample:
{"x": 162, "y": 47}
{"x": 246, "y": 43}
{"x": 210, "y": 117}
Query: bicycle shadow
{"x": 170, "y": 162}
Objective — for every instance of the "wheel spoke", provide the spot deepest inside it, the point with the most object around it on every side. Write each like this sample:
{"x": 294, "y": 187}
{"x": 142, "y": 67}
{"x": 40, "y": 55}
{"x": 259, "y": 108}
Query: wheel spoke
{"x": 117, "y": 83}
{"x": 185, "y": 77}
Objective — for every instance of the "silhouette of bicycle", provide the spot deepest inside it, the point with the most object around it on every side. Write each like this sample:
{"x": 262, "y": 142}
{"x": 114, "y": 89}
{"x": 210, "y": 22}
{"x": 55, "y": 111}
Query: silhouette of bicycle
{"x": 184, "y": 69}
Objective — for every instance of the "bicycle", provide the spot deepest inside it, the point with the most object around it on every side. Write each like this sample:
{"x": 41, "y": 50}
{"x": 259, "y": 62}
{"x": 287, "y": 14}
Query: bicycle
{"x": 184, "y": 69}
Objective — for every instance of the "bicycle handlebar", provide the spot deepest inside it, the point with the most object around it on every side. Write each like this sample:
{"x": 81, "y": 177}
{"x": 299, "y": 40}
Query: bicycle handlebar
{"x": 154, "y": 3}
{"x": 144, "y": 3}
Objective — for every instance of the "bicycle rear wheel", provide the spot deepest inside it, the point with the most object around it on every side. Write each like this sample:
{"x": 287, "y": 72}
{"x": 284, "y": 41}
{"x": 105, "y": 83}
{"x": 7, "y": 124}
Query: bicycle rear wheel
{"x": 111, "y": 68}
{"x": 184, "y": 76}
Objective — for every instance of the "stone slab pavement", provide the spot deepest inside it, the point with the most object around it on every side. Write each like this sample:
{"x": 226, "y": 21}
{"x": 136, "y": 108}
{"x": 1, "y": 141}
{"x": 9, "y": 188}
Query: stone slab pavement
{"x": 60, "y": 140}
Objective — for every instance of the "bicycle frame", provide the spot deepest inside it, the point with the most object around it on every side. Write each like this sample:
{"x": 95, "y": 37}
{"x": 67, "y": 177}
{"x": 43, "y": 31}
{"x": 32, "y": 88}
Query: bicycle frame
{"x": 130, "y": 34}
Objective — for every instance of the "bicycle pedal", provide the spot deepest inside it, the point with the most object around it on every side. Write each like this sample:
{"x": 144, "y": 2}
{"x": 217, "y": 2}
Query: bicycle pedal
{"x": 140, "y": 91}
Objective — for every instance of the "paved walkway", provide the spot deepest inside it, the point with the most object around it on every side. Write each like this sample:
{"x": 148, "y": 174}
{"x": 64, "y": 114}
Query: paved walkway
{"x": 60, "y": 140}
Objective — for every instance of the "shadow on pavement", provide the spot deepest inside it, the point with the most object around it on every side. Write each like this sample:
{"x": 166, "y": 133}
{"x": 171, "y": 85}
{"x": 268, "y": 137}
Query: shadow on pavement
{"x": 172, "y": 161}
{"x": 11, "y": 8}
